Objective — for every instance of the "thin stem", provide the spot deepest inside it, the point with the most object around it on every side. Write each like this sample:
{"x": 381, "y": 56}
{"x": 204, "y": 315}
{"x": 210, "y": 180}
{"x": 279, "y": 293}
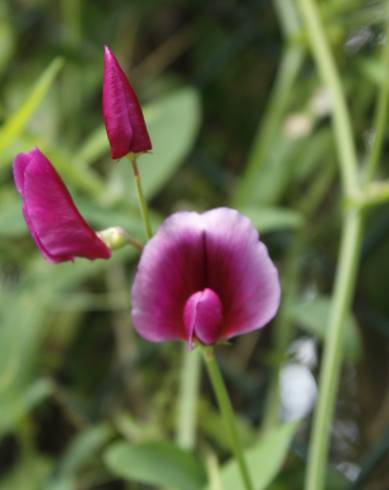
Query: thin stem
{"x": 266, "y": 134}
{"x": 341, "y": 119}
{"x": 329, "y": 374}
{"x": 381, "y": 112}
{"x": 227, "y": 412}
{"x": 283, "y": 328}
{"x": 141, "y": 199}
{"x": 188, "y": 392}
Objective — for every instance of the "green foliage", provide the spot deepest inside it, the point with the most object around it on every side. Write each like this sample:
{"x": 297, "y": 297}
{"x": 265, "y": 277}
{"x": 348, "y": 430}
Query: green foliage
{"x": 264, "y": 460}
{"x": 156, "y": 463}
{"x": 313, "y": 317}
{"x": 84, "y": 402}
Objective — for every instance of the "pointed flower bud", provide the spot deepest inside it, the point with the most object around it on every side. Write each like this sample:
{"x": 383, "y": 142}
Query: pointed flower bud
{"x": 204, "y": 277}
{"x": 123, "y": 118}
{"x": 58, "y": 229}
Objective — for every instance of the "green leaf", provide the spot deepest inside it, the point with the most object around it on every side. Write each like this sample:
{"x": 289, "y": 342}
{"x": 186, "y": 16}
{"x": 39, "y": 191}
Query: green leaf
{"x": 173, "y": 123}
{"x": 15, "y": 124}
{"x": 11, "y": 218}
{"x": 156, "y": 463}
{"x": 264, "y": 460}
{"x": 313, "y": 316}
{"x": 15, "y": 406}
{"x": 267, "y": 219}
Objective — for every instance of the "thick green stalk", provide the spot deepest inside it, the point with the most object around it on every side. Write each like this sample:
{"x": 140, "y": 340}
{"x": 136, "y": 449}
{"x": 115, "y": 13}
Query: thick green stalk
{"x": 330, "y": 369}
{"x": 141, "y": 199}
{"x": 341, "y": 118}
{"x": 227, "y": 412}
{"x": 188, "y": 391}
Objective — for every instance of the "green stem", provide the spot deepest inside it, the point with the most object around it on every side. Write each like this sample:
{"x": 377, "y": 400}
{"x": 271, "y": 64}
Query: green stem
{"x": 227, "y": 412}
{"x": 289, "y": 68}
{"x": 329, "y": 374}
{"x": 380, "y": 112}
{"x": 189, "y": 387}
{"x": 341, "y": 119}
{"x": 141, "y": 199}
{"x": 282, "y": 330}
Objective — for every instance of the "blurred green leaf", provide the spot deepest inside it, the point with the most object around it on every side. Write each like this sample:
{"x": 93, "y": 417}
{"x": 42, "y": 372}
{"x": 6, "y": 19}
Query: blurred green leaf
{"x": 11, "y": 218}
{"x": 15, "y": 124}
{"x": 84, "y": 447}
{"x": 7, "y": 37}
{"x": 15, "y": 406}
{"x": 31, "y": 475}
{"x": 270, "y": 219}
{"x": 156, "y": 463}
{"x": 264, "y": 460}
{"x": 173, "y": 123}
{"x": 313, "y": 316}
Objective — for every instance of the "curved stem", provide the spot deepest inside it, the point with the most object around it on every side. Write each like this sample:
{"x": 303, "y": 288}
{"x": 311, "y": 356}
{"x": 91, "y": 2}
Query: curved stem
{"x": 381, "y": 112}
{"x": 329, "y": 373}
{"x": 141, "y": 199}
{"x": 341, "y": 119}
{"x": 227, "y": 412}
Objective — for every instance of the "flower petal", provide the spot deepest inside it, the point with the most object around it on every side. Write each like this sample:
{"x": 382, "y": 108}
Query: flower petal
{"x": 123, "y": 117}
{"x": 171, "y": 269}
{"x": 203, "y": 316}
{"x": 193, "y": 259}
{"x": 57, "y": 227}
{"x": 240, "y": 271}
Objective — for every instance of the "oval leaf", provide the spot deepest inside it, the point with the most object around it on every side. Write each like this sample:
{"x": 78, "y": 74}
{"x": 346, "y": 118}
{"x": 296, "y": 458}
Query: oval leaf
{"x": 156, "y": 463}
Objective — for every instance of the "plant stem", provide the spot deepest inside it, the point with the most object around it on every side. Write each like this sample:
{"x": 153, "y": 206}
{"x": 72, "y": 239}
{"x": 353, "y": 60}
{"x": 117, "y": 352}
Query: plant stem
{"x": 341, "y": 119}
{"x": 266, "y": 134}
{"x": 348, "y": 255}
{"x": 141, "y": 199}
{"x": 282, "y": 330}
{"x": 329, "y": 373}
{"x": 189, "y": 386}
{"x": 227, "y": 412}
{"x": 381, "y": 112}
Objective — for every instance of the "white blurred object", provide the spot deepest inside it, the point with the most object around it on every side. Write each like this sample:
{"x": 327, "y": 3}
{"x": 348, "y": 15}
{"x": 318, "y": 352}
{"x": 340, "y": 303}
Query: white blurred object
{"x": 298, "y": 391}
{"x": 303, "y": 351}
{"x": 320, "y": 103}
{"x": 297, "y": 125}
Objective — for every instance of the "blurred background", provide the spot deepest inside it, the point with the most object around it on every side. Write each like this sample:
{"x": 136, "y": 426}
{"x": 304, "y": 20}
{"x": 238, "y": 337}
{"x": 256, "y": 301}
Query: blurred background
{"x": 238, "y": 116}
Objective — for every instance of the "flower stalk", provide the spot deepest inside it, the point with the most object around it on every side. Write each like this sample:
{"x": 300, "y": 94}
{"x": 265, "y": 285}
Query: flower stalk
{"x": 227, "y": 412}
{"x": 140, "y": 197}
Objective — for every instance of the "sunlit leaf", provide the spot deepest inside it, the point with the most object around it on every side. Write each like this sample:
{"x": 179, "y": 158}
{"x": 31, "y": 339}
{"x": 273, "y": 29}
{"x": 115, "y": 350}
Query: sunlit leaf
{"x": 15, "y": 124}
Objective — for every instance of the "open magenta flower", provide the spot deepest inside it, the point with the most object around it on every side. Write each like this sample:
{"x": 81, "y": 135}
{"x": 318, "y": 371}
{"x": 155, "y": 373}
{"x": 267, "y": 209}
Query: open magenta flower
{"x": 123, "y": 118}
{"x": 204, "y": 277}
{"x": 58, "y": 229}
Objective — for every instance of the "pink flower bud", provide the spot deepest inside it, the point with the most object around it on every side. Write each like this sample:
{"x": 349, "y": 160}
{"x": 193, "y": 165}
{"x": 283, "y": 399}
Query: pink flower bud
{"x": 58, "y": 229}
{"x": 123, "y": 118}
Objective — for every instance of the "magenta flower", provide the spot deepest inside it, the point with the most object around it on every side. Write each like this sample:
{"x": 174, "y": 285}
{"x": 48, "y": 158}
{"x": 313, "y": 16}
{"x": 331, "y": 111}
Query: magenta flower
{"x": 56, "y": 226}
{"x": 204, "y": 277}
{"x": 123, "y": 118}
